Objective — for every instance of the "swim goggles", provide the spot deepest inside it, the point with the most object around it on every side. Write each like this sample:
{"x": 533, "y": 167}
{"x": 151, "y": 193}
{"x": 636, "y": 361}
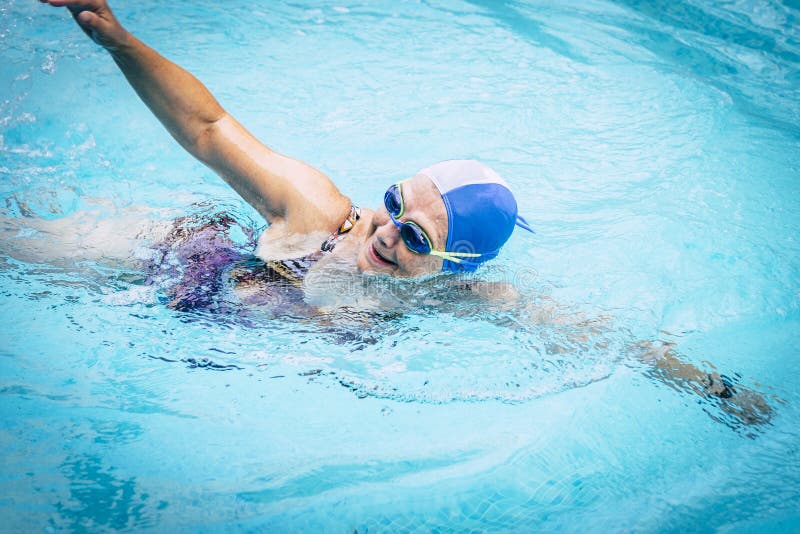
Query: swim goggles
{"x": 411, "y": 233}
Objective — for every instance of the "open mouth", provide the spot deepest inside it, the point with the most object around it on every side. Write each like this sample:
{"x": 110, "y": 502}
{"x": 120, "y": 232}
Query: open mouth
{"x": 378, "y": 258}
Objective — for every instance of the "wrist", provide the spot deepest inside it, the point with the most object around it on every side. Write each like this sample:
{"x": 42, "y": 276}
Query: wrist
{"x": 122, "y": 44}
{"x": 719, "y": 386}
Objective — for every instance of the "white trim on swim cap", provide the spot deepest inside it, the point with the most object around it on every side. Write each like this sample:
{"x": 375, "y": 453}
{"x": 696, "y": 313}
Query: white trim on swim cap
{"x": 454, "y": 173}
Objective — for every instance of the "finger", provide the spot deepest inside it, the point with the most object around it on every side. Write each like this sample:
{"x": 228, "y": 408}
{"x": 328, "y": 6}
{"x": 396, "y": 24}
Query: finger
{"x": 92, "y": 24}
{"x": 80, "y": 4}
{"x": 87, "y": 19}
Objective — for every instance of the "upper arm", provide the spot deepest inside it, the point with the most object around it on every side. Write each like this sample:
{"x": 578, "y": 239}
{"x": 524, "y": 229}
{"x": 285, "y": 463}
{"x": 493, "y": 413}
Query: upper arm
{"x": 492, "y": 292}
{"x": 282, "y": 189}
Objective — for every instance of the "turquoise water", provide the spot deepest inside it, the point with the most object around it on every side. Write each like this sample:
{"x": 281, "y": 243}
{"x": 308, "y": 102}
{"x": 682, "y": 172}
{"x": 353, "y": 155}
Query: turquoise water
{"x": 654, "y": 146}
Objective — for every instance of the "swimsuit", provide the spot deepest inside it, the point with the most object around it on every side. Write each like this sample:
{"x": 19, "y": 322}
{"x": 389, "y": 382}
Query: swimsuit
{"x": 199, "y": 258}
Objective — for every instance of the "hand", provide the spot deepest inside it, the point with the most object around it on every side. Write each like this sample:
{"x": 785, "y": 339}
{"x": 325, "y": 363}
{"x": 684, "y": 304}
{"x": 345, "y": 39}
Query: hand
{"x": 736, "y": 406}
{"x": 96, "y": 19}
{"x": 746, "y": 405}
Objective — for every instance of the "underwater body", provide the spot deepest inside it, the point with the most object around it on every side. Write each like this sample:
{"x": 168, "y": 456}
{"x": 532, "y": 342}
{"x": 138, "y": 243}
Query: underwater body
{"x": 654, "y": 147}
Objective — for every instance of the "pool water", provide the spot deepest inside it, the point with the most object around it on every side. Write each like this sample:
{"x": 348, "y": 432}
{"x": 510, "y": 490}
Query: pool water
{"x": 654, "y": 146}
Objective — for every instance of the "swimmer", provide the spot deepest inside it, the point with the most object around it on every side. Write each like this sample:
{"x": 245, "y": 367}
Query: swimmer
{"x": 449, "y": 217}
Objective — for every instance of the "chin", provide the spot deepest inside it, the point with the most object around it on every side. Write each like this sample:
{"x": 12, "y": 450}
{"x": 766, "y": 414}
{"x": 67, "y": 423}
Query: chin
{"x": 363, "y": 265}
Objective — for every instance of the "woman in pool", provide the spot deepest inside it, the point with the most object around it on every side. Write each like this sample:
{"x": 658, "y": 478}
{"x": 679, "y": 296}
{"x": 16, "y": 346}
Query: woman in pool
{"x": 451, "y": 217}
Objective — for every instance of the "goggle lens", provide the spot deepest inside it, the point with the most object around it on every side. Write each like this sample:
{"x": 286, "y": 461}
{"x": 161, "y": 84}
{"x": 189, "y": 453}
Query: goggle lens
{"x": 393, "y": 200}
{"x": 415, "y": 238}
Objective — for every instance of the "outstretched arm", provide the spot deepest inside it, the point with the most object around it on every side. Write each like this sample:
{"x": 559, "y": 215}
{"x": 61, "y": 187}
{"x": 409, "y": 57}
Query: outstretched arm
{"x": 284, "y": 190}
{"x": 736, "y": 405}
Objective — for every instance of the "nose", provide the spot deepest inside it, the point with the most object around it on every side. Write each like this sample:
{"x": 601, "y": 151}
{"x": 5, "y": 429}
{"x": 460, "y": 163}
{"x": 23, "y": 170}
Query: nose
{"x": 386, "y": 231}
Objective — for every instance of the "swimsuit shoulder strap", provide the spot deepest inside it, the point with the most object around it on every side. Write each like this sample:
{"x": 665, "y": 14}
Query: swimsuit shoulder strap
{"x": 347, "y": 225}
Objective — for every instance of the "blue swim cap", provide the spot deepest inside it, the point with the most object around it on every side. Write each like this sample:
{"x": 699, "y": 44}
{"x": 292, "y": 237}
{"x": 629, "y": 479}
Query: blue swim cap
{"x": 481, "y": 210}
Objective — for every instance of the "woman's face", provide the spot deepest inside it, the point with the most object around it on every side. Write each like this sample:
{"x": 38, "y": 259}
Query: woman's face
{"x": 383, "y": 250}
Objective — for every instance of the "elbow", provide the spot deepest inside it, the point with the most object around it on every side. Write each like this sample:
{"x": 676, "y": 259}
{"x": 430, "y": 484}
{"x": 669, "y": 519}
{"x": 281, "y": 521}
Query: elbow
{"x": 204, "y": 140}
{"x": 201, "y": 144}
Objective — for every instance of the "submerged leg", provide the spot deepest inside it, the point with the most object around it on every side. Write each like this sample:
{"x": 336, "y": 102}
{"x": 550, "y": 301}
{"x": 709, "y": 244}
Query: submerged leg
{"x": 90, "y": 235}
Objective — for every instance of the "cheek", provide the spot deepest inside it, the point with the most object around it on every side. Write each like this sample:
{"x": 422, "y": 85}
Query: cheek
{"x": 380, "y": 217}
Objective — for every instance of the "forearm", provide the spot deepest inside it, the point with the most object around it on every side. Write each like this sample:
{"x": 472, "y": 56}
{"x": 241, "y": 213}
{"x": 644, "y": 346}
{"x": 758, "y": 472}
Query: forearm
{"x": 669, "y": 368}
{"x": 282, "y": 189}
{"x": 179, "y": 100}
